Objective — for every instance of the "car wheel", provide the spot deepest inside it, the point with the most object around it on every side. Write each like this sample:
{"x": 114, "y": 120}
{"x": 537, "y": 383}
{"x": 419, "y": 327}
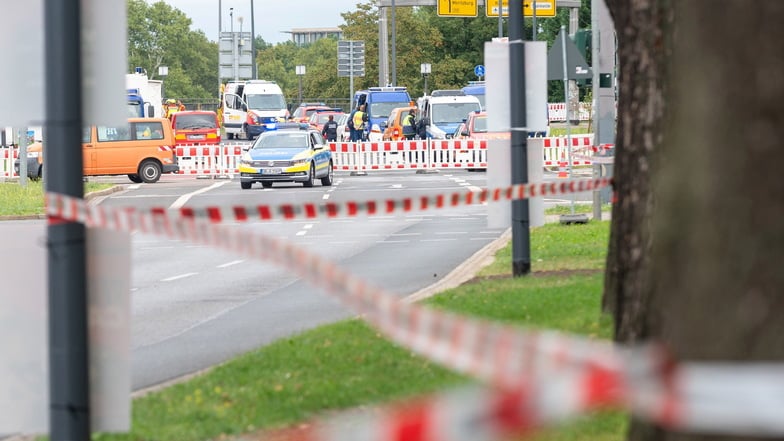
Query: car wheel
{"x": 327, "y": 180}
{"x": 311, "y": 177}
{"x": 135, "y": 178}
{"x": 150, "y": 171}
{"x": 245, "y": 185}
{"x": 266, "y": 184}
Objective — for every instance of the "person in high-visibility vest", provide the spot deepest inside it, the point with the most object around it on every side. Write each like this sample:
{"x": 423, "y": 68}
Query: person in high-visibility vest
{"x": 171, "y": 108}
{"x": 359, "y": 122}
{"x": 409, "y": 125}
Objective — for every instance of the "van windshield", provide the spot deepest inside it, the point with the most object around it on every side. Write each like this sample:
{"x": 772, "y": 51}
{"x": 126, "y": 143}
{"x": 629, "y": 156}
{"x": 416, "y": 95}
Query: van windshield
{"x": 382, "y": 110}
{"x": 265, "y": 102}
{"x": 446, "y": 113}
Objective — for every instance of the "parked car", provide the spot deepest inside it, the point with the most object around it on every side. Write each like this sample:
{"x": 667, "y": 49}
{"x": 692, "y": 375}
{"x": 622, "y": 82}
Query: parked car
{"x": 344, "y": 134}
{"x": 320, "y": 117}
{"x": 141, "y": 149}
{"x": 293, "y": 153}
{"x": 305, "y": 110}
{"x": 196, "y": 127}
{"x": 393, "y": 127}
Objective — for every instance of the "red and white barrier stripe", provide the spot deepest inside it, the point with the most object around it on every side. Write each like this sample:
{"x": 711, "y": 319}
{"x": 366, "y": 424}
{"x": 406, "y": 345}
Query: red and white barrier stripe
{"x": 245, "y": 213}
{"x": 544, "y": 376}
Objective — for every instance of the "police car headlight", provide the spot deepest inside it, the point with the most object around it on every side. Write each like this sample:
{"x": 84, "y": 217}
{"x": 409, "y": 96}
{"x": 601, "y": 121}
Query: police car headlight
{"x": 298, "y": 162}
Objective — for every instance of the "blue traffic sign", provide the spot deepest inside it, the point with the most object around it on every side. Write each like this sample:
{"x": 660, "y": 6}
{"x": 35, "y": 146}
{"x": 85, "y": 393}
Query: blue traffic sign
{"x": 479, "y": 70}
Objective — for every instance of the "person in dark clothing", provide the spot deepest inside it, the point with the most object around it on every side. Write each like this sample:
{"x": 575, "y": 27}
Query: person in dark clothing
{"x": 330, "y": 130}
{"x": 422, "y": 128}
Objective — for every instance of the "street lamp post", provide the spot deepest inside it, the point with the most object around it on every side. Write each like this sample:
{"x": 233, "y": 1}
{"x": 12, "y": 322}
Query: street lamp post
{"x": 424, "y": 68}
{"x": 300, "y": 70}
{"x": 163, "y": 71}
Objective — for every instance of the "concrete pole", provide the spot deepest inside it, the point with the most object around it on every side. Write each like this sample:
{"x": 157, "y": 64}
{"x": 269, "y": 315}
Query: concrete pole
{"x": 394, "y": 46}
{"x": 574, "y": 91}
{"x": 603, "y": 46}
{"x": 383, "y": 47}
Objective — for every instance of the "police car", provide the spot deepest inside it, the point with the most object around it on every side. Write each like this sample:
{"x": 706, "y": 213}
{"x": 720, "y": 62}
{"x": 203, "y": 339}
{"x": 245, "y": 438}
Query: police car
{"x": 292, "y": 153}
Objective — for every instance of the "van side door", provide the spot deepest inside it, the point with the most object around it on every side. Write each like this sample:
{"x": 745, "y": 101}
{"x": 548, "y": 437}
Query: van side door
{"x": 89, "y": 156}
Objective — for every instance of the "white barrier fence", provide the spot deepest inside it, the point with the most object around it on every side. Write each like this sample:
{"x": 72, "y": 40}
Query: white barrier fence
{"x": 223, "y": 160}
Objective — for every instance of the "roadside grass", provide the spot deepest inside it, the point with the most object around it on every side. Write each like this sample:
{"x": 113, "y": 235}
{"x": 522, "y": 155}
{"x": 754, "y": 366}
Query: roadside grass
{"x": 16, "y": 200}
{"x": 574, "y": 130}
{"x": 578, "y": 208}
{"x": 348, "y": 364}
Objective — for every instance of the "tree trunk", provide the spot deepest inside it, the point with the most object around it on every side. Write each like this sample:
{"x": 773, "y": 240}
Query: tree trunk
{"x": 704, "y": 274}
{"x": 642, "y": 54}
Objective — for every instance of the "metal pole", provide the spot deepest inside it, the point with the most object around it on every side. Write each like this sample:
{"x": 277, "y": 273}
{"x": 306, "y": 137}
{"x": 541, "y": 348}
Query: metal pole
{"x": 351, "y": 75}
{"x": 566, "y": 100}
{"x": 220, "y": 30}
{"x": 500, "y": 21}
{"x": 253, "y": 40}
{"x": 534, "y": 30}
{"x": 300, "y": 88}
{"x": 394, "y": 47}
{"x": 69, "y": 395}
{"x": 23, "y": 157}
{"x": 521, "y": 235}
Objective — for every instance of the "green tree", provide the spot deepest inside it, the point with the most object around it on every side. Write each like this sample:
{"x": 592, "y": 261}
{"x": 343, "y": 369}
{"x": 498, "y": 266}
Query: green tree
{"x": 159, "y": 35}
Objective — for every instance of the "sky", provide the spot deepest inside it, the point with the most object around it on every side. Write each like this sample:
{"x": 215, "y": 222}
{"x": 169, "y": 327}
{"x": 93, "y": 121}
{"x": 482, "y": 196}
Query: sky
{"x": 272, "y": 17}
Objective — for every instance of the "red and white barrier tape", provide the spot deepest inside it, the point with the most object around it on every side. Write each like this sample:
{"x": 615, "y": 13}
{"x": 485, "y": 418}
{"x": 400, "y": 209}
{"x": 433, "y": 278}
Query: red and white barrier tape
{"x": 569, "y": 374}
{"x": 245, "y": 213}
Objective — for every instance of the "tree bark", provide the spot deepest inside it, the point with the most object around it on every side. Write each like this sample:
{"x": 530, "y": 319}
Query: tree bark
{"x": 643, "y": 54}
{"x": 699, "y": 133}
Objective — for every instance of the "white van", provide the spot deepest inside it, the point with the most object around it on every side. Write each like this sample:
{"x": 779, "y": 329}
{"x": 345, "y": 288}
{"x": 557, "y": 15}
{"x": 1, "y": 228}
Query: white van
{"x": 444, "y": 110}
{"x": 252, "y": 107}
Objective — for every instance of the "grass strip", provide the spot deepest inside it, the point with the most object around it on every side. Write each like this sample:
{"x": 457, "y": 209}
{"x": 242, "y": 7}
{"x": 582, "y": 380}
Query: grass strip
{"x": 16, "y": 200}
{"x": 348, "y": 364}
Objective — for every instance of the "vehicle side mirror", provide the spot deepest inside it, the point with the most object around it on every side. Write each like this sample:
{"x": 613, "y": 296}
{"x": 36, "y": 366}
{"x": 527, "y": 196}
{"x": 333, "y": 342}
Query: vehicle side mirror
{"x": 465, "y": 133}
{"x": 384, "y": 125}
{"x": 246, "y": 147}
{"x": 244, "y": 107}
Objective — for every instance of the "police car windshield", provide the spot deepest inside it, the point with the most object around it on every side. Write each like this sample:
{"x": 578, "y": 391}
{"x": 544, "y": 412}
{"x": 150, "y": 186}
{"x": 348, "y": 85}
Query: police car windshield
{"x": 282, "y": 140}
{"x": 265, "y": 102}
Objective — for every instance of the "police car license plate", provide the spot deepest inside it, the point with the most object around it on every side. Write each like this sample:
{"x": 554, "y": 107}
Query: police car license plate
{"x": 270, "y": 171}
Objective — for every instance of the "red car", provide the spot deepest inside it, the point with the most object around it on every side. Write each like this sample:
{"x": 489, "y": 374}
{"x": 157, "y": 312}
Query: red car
{"x": 196, "y": 127}
{"x": 305, "y": 110}
{"x": 318, "y": 119}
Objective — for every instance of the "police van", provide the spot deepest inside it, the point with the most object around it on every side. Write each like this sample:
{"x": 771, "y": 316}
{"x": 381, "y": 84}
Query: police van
{"x": 379, "y": 102}
{"x": 252, "y": 107}
{"x": 444, "y": 110}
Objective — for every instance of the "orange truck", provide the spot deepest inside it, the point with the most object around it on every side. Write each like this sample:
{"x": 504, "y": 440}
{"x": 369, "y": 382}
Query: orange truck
{"x": 143, "y": 150}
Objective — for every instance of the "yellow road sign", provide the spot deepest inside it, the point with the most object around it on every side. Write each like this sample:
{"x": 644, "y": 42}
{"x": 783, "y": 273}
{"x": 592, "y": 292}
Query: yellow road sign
{"x": 457, "y": 8}
{"x": 544, "y": 8}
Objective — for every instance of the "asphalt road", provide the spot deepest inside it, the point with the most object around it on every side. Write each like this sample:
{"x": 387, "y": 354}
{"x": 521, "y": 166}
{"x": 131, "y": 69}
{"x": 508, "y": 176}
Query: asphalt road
{"x": 194, "y": 307}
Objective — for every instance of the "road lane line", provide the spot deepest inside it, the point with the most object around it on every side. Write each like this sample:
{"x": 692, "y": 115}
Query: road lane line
{"x": 232, "y": 263}
{"x": 184, "y": 198}
{"x": 178, "y": 277}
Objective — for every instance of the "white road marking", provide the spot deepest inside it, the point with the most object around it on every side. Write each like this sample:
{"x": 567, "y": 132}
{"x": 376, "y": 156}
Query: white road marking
{"x": 304, "y": 230}
{"x": 184, "y": 198}
{"x": 393, "y": 241}
{"x": 397, "y": 186}
{"x": 134, "y": 186}
{"x": 232, "y": 263}
{"x": 405, "y": 234}
{"x": 325, "y": 197}
{"x": 181, "y": 276}
{"x": 437, "y": 240}
{"x": 451, "y": 232}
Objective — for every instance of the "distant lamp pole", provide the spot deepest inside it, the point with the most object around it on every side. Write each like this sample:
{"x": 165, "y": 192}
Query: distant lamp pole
{"x": 163, "y": 71}
{"x": 300, "y": 73}
{"x": 424, "y": 68}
